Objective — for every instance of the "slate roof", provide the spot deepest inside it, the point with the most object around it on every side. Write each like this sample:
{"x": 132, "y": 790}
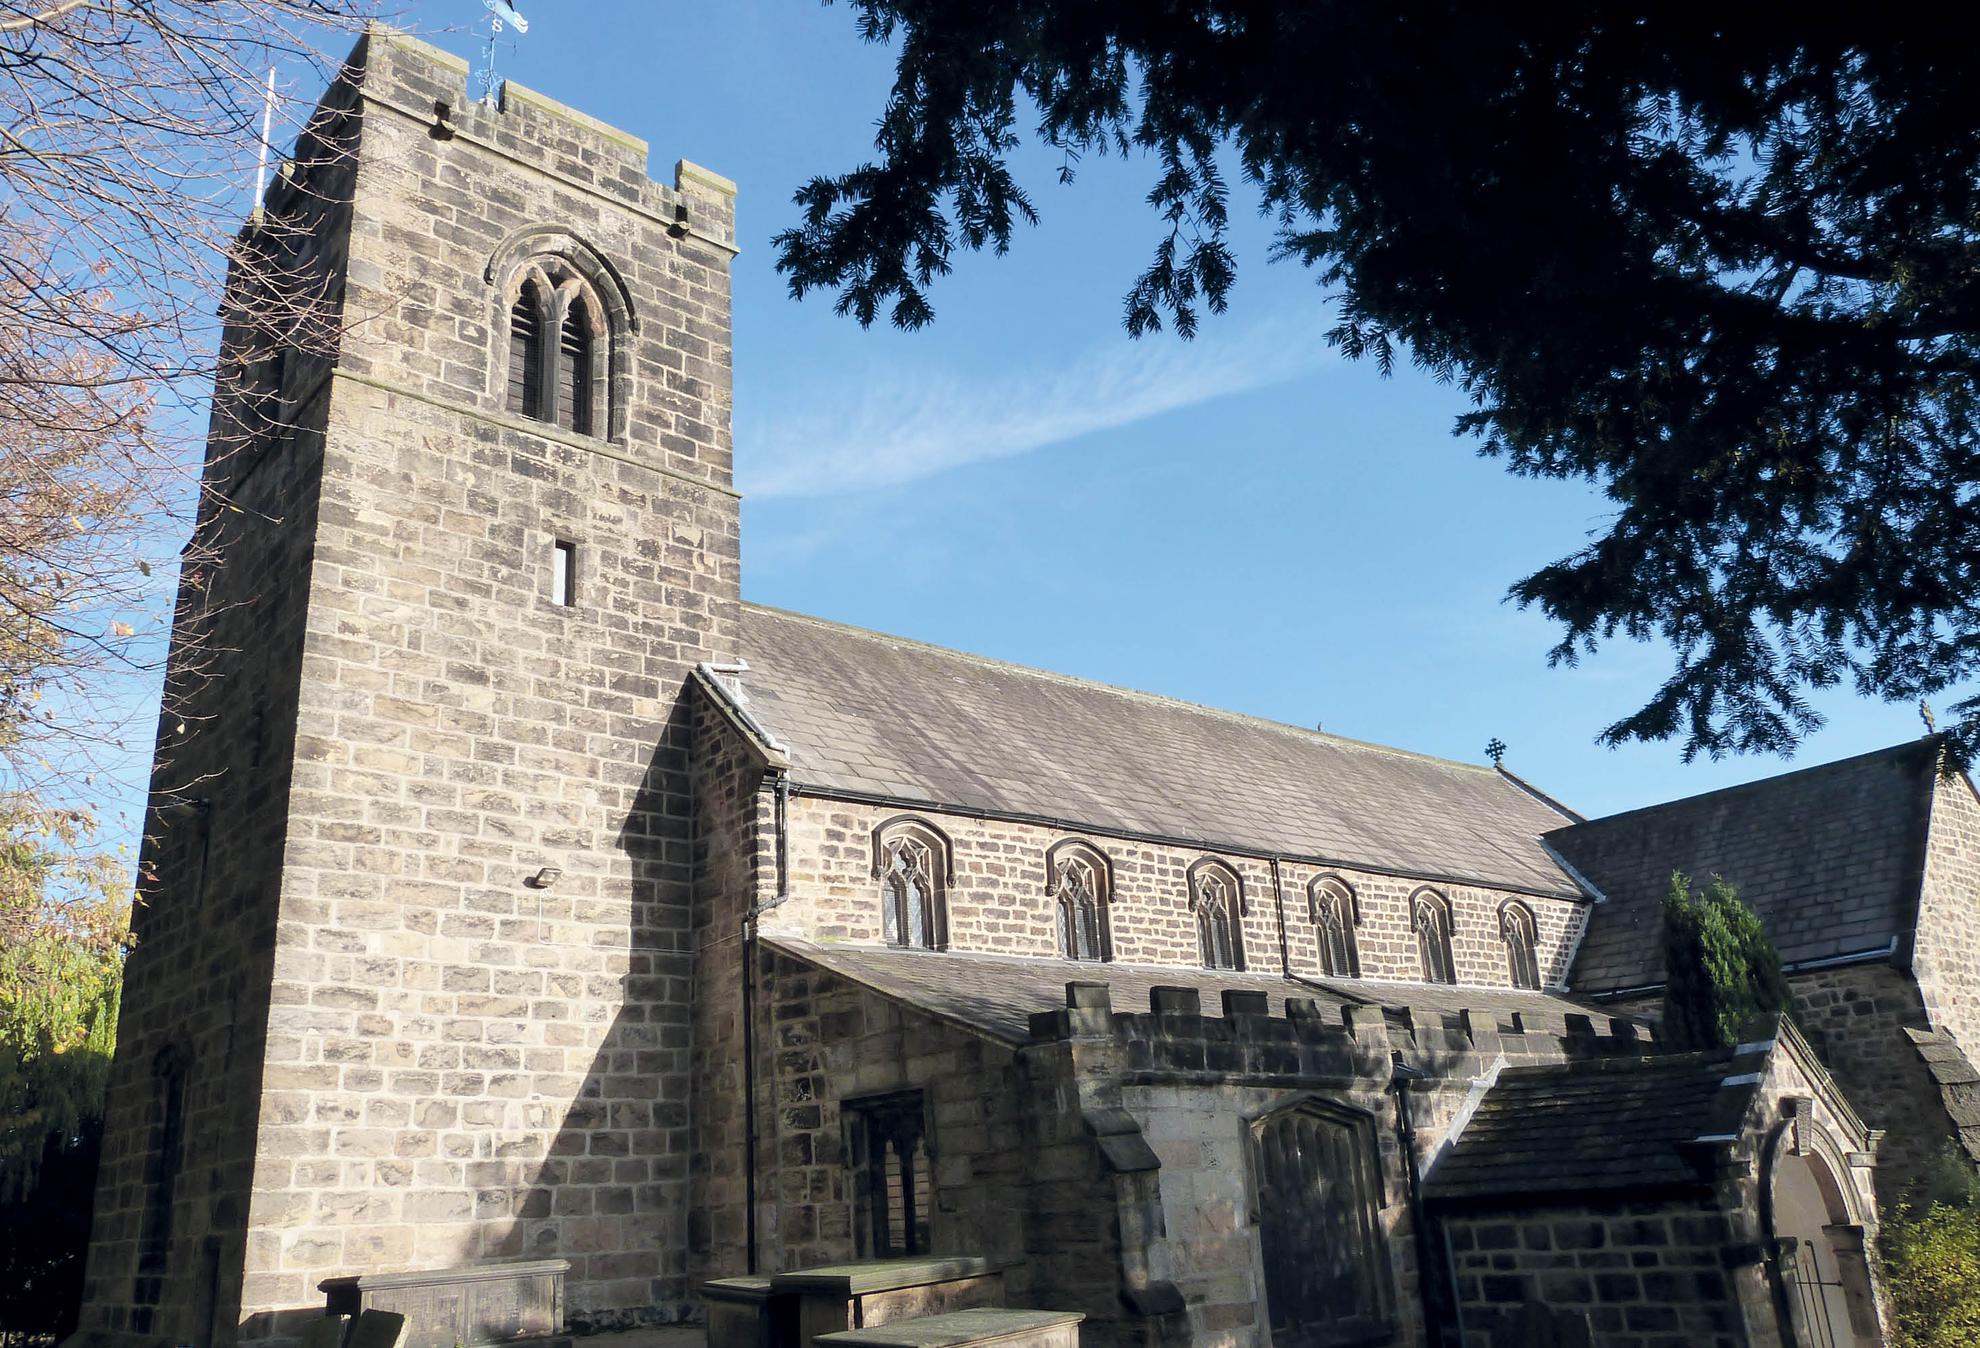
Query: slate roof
{"x": 878, "y": 716}
{"x": 1830, "y": 857}
{"x": 1958, "y": 1083}
{"x": 1594, "y": 1125}
{"x": 997, "y": 994}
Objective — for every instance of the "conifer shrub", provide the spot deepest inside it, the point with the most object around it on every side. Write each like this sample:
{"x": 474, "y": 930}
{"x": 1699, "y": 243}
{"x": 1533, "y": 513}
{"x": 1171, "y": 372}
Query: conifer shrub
{"x": 1721, "y": 970}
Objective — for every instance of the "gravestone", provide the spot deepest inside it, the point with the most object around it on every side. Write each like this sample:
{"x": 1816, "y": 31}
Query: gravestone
{"x": 504, "y": 1301}
{"x": 326, "y": 1331}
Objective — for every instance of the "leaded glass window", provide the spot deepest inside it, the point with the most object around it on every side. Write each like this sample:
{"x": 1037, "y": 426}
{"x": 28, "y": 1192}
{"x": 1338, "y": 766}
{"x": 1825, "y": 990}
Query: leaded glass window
{"x": 1217, "y": 900}
{"x": 1320, "y": 1194}
{"x": 1522, "y": 954}
{"x": 911, "y": 862}
{"x": 1080, "y": 896}
{"x": 1430, "y": 915}
{"x": 893, "y": 1181}
{"x": 1334, "y": 917}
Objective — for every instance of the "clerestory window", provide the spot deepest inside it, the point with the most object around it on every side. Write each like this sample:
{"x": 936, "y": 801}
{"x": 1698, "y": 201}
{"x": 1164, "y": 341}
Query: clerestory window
{"x": 1080, "y": 881}
{"x": 1522, "y": 944}
{"x": 1216, "y": 899}
{"x": 1430, "y": 915}
{"x": 912, "y": 863}
{"x": 1334, "y": 917}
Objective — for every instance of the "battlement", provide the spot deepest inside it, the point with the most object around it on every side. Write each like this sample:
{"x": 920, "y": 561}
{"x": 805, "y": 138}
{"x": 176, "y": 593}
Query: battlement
{"x": 1314, "y": 1039}
{"x": 396, "y": 72}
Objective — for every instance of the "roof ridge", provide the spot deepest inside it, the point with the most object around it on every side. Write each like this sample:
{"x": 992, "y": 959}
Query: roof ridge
{"x": 1758, "y": 783}
{"x": 1142, "y": 695}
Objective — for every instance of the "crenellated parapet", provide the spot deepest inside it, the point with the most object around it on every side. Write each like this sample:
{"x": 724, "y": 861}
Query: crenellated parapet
{"x": 1318, "y": 1041}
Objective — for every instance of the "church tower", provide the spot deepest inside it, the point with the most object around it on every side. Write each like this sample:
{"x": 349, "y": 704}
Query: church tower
{"x": 411, "y": 986}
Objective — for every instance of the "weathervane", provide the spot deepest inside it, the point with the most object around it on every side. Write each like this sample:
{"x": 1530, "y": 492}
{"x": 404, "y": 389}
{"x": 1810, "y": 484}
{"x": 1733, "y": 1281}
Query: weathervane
{"x": 500, "y": 15}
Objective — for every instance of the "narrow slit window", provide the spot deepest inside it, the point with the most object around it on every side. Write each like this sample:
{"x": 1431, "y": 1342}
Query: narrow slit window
{"x": 563, "y": 574}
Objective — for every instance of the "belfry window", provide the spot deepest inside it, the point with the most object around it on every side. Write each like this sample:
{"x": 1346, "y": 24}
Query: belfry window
{"x": 1327, "y": 1278}
{"x": 1079, "y": 879}
{"x": 911, "y": 862}
{"x": 1334, "y": 917}
{"x": 1522, "y": 956}
{"x": 1430, "y": 915}
{"x": 893, "y": 1182}
{"x": 1216, "y": 898}
{"x": 559, "y": 349}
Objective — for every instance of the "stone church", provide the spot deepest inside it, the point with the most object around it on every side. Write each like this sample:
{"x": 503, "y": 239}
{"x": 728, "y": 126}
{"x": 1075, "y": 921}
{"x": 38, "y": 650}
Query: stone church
{"x": 515, "y": 891}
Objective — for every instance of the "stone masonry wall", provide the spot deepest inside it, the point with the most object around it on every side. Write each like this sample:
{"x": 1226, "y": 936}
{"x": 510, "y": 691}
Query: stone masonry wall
{"x": 834, "y": 1041}
{"x": 1646, "y": 1273}
{"x": 461, "y": 1065}
{"x": 196, "y": 986}
{"x": 999, "y": 902}
{"x": 735, "y": 868}
{"x": 1946, "y": 954}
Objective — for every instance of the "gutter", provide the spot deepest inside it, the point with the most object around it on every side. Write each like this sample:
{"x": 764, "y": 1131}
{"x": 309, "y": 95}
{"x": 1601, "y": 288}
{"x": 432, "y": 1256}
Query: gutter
{"x": 1886, "y": 951}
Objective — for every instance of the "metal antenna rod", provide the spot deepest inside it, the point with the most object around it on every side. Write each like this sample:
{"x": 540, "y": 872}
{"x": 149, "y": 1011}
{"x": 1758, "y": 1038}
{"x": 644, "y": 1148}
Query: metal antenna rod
{"x": 267, "y": 129}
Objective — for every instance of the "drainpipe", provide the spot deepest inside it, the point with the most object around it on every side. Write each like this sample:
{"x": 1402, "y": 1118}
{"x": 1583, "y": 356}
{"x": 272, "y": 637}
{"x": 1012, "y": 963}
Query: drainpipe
{"x": 1429, "y": 1269}
{"x": 1279, "y": 904}
{"x": 782, "y": 829}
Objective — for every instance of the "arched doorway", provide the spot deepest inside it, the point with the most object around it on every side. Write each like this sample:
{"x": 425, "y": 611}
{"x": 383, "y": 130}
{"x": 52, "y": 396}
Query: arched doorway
{"x": 1821, "y": 1265}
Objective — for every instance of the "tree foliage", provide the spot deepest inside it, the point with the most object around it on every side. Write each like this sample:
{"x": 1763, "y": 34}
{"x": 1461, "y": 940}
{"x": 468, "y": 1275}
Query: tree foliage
{"x": 1718, "y": 261}
{"x": 64, "y": 919}
{"x": 128, "y": 133}
{"x": 1721, "y": 972}
{"x": 1930, "y": 1251}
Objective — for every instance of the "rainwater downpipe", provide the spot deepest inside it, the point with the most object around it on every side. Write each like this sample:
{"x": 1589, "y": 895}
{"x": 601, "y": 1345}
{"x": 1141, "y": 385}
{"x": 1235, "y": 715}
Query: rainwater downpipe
{"x": 1279, "y": 904}
{"x": 782, "y": 831}
{"x": 1429, "y": 1269}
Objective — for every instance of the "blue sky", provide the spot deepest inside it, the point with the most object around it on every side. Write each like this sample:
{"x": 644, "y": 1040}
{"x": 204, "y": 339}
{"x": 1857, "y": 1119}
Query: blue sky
{"x": 1247, "y": 521}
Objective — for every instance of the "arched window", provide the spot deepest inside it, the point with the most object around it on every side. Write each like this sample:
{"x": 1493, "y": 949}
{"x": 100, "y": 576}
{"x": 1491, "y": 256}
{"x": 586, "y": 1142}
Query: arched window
{"x": 1522, "y": 956}
{"x": 1320, "y": 1196}
{"x": 912, "y": 863}
{"x": 1430, "y": 915}
{"x": 1334, "y": 917}
{"x": 559, "y": 347}
{"x": 1080, "y": 881}
{"x": 1216, "y": 897}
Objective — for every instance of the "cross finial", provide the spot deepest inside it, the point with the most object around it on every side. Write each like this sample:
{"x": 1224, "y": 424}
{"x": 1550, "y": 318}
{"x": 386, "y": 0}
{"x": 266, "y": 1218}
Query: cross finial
{"x": 1495, "y": 749}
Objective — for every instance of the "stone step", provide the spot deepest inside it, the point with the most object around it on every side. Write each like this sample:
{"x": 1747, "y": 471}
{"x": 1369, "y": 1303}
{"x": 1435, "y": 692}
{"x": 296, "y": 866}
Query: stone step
{"x": 976, "y": 1328}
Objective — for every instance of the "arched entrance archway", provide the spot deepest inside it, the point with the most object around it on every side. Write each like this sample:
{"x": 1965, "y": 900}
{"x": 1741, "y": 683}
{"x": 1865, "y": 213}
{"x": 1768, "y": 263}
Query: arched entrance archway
{"x": 1820, "y": 1259}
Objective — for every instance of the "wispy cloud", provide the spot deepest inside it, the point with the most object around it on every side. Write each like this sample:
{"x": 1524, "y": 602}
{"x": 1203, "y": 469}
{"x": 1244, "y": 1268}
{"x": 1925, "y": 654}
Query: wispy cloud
{"x": 897, "y": 425}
